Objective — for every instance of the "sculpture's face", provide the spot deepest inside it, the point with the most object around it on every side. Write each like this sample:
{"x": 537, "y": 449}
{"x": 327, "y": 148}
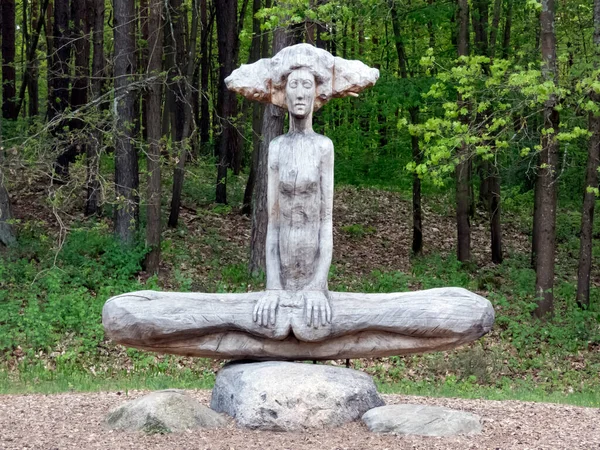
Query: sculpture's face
{"x": 300, "y": 92}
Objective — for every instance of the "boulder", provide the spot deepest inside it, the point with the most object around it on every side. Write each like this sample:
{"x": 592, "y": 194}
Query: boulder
{"x": 284, "y": 396}
{"x": 165, "y": 411}
{"x": 421, "y": 420}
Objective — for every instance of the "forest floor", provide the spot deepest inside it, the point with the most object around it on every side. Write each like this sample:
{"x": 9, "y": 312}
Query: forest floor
{"x": 73, "y": 420}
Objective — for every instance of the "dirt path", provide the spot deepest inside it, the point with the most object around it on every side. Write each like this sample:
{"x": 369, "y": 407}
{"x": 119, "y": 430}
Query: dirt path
{"x": 75, "y": 421}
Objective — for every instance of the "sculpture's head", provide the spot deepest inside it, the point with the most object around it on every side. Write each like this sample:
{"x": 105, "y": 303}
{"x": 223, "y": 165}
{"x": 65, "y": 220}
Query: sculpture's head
{"x": 300, "y": 92}
{"x": 267, "y": 80}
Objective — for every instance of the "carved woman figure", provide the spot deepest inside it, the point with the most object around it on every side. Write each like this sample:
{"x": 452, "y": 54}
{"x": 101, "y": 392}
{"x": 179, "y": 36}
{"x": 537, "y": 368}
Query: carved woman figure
{"x": 297, "y": 317}
{"x": 299, "y": 243}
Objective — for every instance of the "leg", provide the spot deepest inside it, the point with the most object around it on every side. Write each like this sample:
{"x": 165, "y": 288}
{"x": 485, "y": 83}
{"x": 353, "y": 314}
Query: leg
{"x": 150, "y": 317}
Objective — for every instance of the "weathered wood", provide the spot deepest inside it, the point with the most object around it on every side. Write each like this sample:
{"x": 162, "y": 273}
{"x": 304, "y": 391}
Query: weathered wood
{"x": 297, "y": 317}
{"x": 222, "y": 325}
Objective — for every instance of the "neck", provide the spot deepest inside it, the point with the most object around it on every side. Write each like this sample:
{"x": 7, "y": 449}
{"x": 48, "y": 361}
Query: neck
{"x": 301, "y": 125}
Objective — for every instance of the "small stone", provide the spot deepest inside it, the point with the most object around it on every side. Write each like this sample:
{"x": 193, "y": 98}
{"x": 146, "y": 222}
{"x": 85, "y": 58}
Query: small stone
{"x": 421, "y": 420}
{"x": 284, "y": 396}
{"x": 165, "y": 411}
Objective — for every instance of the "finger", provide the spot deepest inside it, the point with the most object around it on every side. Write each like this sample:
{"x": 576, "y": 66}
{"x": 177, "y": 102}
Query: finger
{"x": 264, "y": 319}
{"x": 255, "y": 313}
{"x": 328, "y": 312}
{"x": 307, "y": 306}
{"x": 316, "y": 317}
{"x": 273, "y": 313}
{"x": 324, "y": 315}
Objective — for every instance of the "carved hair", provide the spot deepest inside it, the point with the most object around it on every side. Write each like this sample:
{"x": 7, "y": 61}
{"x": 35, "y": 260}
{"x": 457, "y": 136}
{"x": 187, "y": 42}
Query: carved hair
{"x": 265, "y": 79}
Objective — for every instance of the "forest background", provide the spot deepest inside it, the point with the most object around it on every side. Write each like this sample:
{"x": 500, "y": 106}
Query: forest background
{"x": 126, "y": 164}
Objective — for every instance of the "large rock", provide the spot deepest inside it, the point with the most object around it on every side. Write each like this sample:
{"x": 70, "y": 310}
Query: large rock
{"x": 283, "y": 396}
{"x": 164, "y": 412}
{"x": 421, "y": 420}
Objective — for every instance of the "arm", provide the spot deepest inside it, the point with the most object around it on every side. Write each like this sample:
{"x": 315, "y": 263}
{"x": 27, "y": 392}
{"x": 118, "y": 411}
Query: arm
{"x": 265, "y": 310}
{"x": 272, "y": 260}
{"x": 326, "y": 226}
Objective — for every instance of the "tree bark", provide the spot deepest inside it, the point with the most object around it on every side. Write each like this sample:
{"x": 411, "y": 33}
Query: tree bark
{"x": 80, "y": 87}
{"x": 417, "y": 240}
{"x": 81, "y": 47}
{"x": 546, "y": 189}
{"x": 59, "y": 89}
{"x": 228, "y": 142}
{"x": 153, "y": 99}
{"x": 92, "y": 203}
{"x": 9, "y": 74}
{"x": 591, "y": 184}
{"x": 31, "y": 75}
{"x": 257, "y": 110}
{"x": 204, "y": 74}
{"x": 187, "y": 81}
{"x": 495, "y": 26}
{"x": 507, "y": 29}
{"x": 272, "y": 126}
{"x": 32, "y": 64}
{"x": 463, "y": 168}
{"x": 126, "y": 163}
{"x": 7, "y": 232}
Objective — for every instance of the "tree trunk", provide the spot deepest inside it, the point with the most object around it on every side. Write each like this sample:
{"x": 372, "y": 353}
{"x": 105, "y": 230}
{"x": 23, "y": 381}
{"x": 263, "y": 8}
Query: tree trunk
{"x": 7, "y": 233}
{"x": 187, "y": 81}
{"x": 463, "y": 168}
{"x": 417, "y": 240}
{"x": 204, "y": 74}
{"x": 257, "y": 110}
{"x": 31, "y": 75}
{"x": 228, "y": 142}
{"x": 48, "y": 32}
{"x": 591, "y": 185}
{"x": 59, "y": 89}
{"x": 92, "y": 203}
{"x": 32, "y": 64}
{"x": 507, "y": 29}
{"x": 81, "y": 47}
{"x": 153, "y": 99}
{"x": 494, "y": 212}
{"x": 9, "y": 74}
{"x": 272, "y": 126}
{"x": 126, "y": 163}
{"x": 546, "y": 191}
{"x": 80, "y": 87}
{"x": 495, "y": 26}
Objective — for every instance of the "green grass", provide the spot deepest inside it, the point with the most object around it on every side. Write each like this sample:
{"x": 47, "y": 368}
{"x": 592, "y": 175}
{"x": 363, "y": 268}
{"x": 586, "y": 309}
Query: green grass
{"x": 73, "y": 379}
{"x": 526, "y": 392}
{"x": 45, "y": 382}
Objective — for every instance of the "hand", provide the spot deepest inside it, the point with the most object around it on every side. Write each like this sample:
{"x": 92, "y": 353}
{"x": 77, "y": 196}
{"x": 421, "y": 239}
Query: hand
{"x": 316, "y": 308}
{"x": 265, "y": 310}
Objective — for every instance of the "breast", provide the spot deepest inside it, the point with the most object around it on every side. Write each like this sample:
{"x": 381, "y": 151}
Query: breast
{"x": 291, "y": 188}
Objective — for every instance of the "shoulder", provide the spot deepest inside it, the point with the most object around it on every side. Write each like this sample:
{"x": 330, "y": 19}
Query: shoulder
{"x": 325, "y": 145}
{"x": 274, "y": 146}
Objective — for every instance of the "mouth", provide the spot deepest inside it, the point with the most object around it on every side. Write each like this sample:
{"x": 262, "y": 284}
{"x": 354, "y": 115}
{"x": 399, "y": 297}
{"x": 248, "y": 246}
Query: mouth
{"x": 299, "y": 104}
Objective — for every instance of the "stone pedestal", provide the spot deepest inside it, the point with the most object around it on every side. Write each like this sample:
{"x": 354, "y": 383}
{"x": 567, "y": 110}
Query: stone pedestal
{"x": 284, "y": 396}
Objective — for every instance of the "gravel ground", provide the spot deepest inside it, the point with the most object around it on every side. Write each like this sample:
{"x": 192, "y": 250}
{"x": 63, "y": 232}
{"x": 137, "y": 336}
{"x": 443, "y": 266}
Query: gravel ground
{"x": 76, "y": 421}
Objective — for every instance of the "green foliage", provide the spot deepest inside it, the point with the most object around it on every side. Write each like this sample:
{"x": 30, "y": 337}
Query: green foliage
{"x": 52, "y": 298}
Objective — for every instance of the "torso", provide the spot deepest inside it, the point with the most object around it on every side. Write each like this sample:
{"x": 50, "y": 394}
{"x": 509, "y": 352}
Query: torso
{"x": 299, "y": 190}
